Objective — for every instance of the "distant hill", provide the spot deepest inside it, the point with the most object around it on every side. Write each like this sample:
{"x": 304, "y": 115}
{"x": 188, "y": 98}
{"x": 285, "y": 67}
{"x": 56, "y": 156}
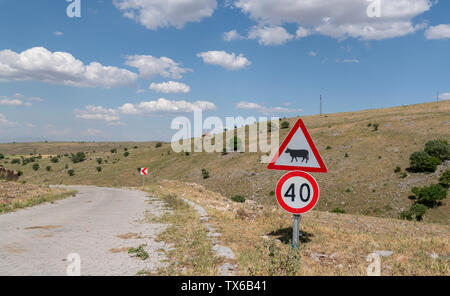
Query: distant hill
{"x": 360, "y": 161}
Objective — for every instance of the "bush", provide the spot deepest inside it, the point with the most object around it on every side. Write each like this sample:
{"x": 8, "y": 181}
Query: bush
{"x": 114, "y": 150}
{"x": 99, "y": 169}
{"x": 15, "y": 161}
{"x": 445, "y": 179}
{"x": 8, "y": 175}
{"x": 126, "y": 154}
{"x": 438, "y": 148}
{"x": 338, "y": 211}
{"x": 430, "y": 196}
{"x": 158, "y": 145}
{"x": 205, "y": 174}
{"x": 285, "y": 124}
{"x": 2, "y": 156}
{"x": 99, "y": 160}
{"x": 238, "y": 198}
{"x": 54, "y": 159}
{"x": 272, "y": 193}
{"x": 375, "y": 126}
{"x": 328, "y": 147}
{"x": 79, "y": 157}
{"x": 48, "y": 168}
{"x": 71, "y": 172}
{"x": 36, "y": 166}
{"x": 416, "y": 211}
{"x": 397, "y": 169}
{"x": 423, "y": 162}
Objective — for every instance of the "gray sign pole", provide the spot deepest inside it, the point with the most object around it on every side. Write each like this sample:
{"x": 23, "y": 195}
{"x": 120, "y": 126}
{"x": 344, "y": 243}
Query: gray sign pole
{"x": 296, "y": 231}
{"x": 143, "y": 181}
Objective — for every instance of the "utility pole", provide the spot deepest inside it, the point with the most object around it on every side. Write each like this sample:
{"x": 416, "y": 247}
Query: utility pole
{"x": 320, "y": 104}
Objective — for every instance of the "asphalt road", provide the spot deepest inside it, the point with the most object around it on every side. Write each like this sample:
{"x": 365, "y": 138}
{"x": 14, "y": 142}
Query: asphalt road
{"x": 99, "y": 224}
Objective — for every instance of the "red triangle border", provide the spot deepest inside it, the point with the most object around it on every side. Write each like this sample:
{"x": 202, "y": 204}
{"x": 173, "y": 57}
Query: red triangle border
{"x": 321, "y": 169}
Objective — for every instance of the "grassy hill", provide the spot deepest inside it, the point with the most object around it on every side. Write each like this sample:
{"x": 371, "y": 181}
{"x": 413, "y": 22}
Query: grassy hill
{"x": 360, "y": 161}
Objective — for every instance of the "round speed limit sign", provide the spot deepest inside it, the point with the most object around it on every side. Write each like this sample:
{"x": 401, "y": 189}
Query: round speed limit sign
{"x": 297, "y": 192}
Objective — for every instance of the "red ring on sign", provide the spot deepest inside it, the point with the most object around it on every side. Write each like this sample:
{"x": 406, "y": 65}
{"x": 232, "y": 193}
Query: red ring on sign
{"x": 314, "y": 199}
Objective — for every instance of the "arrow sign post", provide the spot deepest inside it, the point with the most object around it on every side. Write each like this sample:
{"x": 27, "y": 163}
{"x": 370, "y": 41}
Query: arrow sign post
{"x": 297, "y": 192}
{"x": 144, "y": 172}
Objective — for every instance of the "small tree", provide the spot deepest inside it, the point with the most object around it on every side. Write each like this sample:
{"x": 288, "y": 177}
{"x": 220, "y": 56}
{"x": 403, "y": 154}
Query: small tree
{"x": 36, "y": 166}
{"x": 430, "y": 196}
{"x": 79, "y": 157}
{"x": 445, "y": 179}
{"x": 438, "y": 148}
{"x": 285, "y": 125}
{"x": 423, "y": 162}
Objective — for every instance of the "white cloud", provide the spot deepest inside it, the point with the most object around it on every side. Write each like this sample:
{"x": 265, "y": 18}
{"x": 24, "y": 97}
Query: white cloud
{"x": 150, "y": 66}
{"x": 438, "y": 32}
{"x": 14, "y": 102}
{"x": 232, "y": 35}
{"x": 312, "y": 54}
{"x": 62, "y": 68}
{"x": 257, "y": 107}
{"x": 302, "y": 33}
{"x": 170, "y": 87}
{"x": 224, "y": 59}
{"x": 98, "y": 113}
{"x": 166, "y": 106}
{"x": 35, "y": 99}
{"x": 445, "y": 96}
{"x": 154, "y": 14}
{"x": 268, "y": 35}
{"x": 58, "y": 33}
{"x": 5, "y": 122}
{"x": 339, "y": 19}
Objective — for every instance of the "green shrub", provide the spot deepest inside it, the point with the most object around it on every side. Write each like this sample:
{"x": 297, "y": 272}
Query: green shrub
{"x": 338, "y": 211}
{"x": 15, "y": 161}
{"x": 438, "y": 148}
{"x": 71, "y": 172}
{"x": 406, "y": 215}
{"x": 48, "y": 168}
{"x": 375, "y": 126}
{"x": 54, "y": 159}
{"x": 114, "y": 150}
{"x": 36, "y": 166}
{"x": 126, "y": 154}
{"x": 430, "y": 196}
{"x": 139, "y": 251}
{"x": 328, "y": 147}
{"x": 397, "y": 169}
{"x": 445, "y": 179}
{"x": 418, "y": 211}
{"x": 158, "y": 145}
{"x": 99, "y": 160}
{"x": 238, "y": 198}
{"x": 99, "y": 169}
{"x": 205, "y": 174}
{"x": 272, "y": 193}
{"x": 423, "y": 162}
{"x": 2, "y": 156}
{"x": 19, "y": 173}
{"x": 285, "y": 125}
{"x": 346, "y": 155}
{"x": 79, "y": 157}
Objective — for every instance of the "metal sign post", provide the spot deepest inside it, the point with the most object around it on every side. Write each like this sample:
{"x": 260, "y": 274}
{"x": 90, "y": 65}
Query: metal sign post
{"x": 143, "y": 181}
{"x": 296, "y": 231}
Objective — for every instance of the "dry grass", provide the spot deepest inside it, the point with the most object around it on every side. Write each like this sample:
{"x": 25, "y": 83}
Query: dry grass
{"x": 191, "y": 252}
{"x": 16, "y": 195}
{"x": 332, "y": 244}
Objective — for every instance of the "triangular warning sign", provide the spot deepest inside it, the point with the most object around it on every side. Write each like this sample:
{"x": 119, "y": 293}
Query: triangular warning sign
{"x": 298, "y": 152}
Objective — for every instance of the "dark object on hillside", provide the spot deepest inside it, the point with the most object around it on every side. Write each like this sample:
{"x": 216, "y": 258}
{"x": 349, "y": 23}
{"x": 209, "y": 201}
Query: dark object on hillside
{"x": 295, "y": 154}
{"x": 8, "y": 175}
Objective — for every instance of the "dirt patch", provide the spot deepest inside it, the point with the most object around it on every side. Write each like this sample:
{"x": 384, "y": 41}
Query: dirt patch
{"x": 120, "y": 250}
{"x": 129, "y": 235}
{"x": 47, "y": 227}
{"x": 16, "y": 251}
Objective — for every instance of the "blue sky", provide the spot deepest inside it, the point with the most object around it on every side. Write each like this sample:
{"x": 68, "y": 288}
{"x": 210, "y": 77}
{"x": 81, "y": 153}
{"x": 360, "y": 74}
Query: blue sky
{"x": 89, "y": 78}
